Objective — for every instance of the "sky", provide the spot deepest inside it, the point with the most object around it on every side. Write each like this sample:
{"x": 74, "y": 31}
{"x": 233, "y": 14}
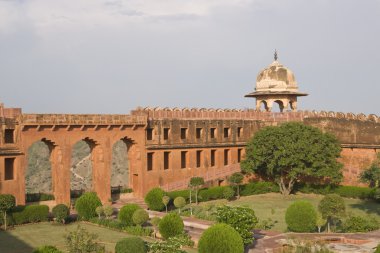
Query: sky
{"x": 111, "y": 56}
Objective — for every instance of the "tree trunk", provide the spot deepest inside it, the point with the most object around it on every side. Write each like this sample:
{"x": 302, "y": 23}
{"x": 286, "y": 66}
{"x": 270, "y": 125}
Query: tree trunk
{"x": 166, "y": 207}
{"x": 191, "y": 207}
{"x": 319, "y": 229}
{"x": 328, "y": 226}
{"x": 238, "y": 192}
{"x": 196, "y": 196}
{"x": 286, "y": 189}
{"x": 5, "y": 220}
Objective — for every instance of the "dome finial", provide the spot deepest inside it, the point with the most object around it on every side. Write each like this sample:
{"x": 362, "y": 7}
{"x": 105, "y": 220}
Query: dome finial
{"x": 275, "y": 55}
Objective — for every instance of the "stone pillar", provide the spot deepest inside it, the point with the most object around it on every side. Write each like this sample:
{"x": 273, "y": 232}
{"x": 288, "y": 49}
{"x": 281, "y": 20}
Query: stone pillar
{"x": 101, "y": 171}
{"x": 19, "y": 171}
{"x": 60, "y": 168}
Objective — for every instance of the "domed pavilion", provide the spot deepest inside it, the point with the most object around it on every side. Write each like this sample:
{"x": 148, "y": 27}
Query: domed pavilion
{"x": 276, "y": 84}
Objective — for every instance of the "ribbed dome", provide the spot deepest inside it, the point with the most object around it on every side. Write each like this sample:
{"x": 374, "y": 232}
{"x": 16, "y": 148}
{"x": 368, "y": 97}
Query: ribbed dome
{"x": 276, "y": 77}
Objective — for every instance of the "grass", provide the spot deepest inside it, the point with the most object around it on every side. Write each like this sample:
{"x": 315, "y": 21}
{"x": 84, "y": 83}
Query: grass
{"x": 23, "y": 239}
{"x": 274, "y": 205}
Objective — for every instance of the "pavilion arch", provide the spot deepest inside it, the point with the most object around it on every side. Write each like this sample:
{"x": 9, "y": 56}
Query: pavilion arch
{"x": 280, "y": 104}
{"x": 263, "y": 105}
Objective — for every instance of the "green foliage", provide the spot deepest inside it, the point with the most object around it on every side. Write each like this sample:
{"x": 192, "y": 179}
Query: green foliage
{"x": 86, "y": 205}
{"x": 81, "y": 241}
{"x": 121, "y": 226}
{"x": 61, "y": 212}
{"x": 154, "y": 199}
{"x": 377, "y": 249}
{"x": 196, "y": 183}
{"x": 155, "y": 221}
{"x": 320, "y": 222}
{"x": 260, "y": 187}
{"x": 131, "y": 245}
{"x": 126, "y": 213}
{"x": 47, "y": 249}
{"x": 171, "y": 245}
{"x": 332, "y": 208}
{"x": 301, "y": 216}
{"x": 99, "y": 211}
{"x": 212, "y": 193}
{"x": 165, "y": 201}
{"x": 36, "y": 197}
{"x": 108, "y": 211}
{"x": 171, "y": 225}
{"x": 228, "y": 193}
{"x": 181, "y": 193}
{"x": 179, "y": 203}
{"x": 292, "y": 151}
{"x": 360, "y": 224}
{"x": 236, "y": 179}
{"x": 242, "y": 219}
{"x": 140, "y": 216}
{"x": 266, "y": 224}
{"x": 354, "y": 192}
{"x": 376, "y": 195}
{"x": 7, "y": 202}
{"x": 220, "y": 238}
{"x": 372, "y": 174}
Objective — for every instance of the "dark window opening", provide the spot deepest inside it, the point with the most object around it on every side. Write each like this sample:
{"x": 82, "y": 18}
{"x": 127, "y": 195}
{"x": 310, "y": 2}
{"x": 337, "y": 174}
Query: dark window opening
{"x": 183, "y": 159}
{"x": 9, "y": 168}
{"x": 149, "y": 134}
{"x": 226, "y": 132}
{"x": 166, "y": 133}
{"x": 166, "y": 160}
{"x": 199, "y": 156}
{"x": 198, "y": 133}
{"x": 239, "y": 155}
{"x": 212, "y": 158}
{"x": 150, "y": 161}
{"x": 212, "y": 133}
{"x": 9, "y": 136}
{"x": 226, "y": 153}
{"x": 183, "y": 133}
{"x": 239, "y": 131}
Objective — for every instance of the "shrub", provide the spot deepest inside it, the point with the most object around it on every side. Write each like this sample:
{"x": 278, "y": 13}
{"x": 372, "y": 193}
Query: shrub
{"x": 332, "y": 208}
{"x": 212, "y": 193}
{"x": 242, "y": 219}
{"x": 179, "y": 203}
{"x": 377, "y": 249}
{"x": 354, "y": 192}
{"x": 140, "y": 216}
{"x": 47, "y": 249}
{"x": 82, "y": 241}
{"x": 61, "y": 212}
{"x": 301, "y": 216}
{"x": 7, "y": 202}
{"x": 86, "y": 205}
{"x": 36, "y": 213}
{"x": 99, "y": 211}
{"x": 360, "y": 224}
{"x": 131, "y": 245}
{"x": 155, "y": 221}
{"x": 170, "y": 225}
{"x": 108, "y": 211}
{"x": 115, "y": 224}
{"x": 259, "y": 188}
{"x": 154, "y": 199}
{"x": 182, "y": 193}
{"x": 138, "y": 230}
{"x": 228, "y": 193}
{"x": 126, "y": 213}
{"x": 172, "y": 245}
{"x": 36, "y": 197}
{"x": 376, "y": 194}
{"x": 220, "y": 238}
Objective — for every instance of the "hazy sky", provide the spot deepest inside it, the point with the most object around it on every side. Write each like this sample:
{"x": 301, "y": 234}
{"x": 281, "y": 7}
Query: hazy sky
{"x": 110, "y": 56}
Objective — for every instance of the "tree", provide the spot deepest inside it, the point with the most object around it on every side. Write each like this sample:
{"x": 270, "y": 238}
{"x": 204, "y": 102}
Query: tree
{"x": 292, "y": 151}
{"x": 170, "y": 225}
{"x": 99, "y": 211}
{"x": 179, "y": 202}
{"x": 140, "y": 216}
{"x": 165, "y": 201}
{"x": 372, "y": 174}
{"x": 320, "y": 222}
{"x": 108, "y": 211}
{"x": 332, "y": 208}
{"x": 196, "y": 183}
{"x": 7, "y": 202}
{"x": 236, "y": 179}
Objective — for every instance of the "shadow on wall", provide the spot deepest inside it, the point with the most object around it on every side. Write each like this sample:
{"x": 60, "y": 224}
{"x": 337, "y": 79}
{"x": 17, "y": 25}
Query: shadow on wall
{"x": 12, "y": 244}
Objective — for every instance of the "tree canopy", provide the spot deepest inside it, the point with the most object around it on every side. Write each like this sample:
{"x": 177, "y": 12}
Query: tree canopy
{"x": 372, "y": 174}
{"x": 291, "y": 152}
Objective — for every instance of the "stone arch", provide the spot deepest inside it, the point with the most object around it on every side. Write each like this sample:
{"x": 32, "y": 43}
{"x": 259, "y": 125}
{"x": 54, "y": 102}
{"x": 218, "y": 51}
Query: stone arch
{"x": 293, "y": 105}
{"x": 120, "y": 166}
{"x": 280, "y": 103}
{"x": 262, "y": 104}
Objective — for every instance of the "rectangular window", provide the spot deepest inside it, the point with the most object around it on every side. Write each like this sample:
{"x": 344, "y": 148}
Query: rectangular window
{"x": 9, "y": 136}
{"x": 166, "y": 133}
{"x": 183, "y": 133}
{"x": 212, "y": 132}
{"x": 198, "y": 133}
{"x": 149, "y": 134}
{"x": 199, "y": 158}
{"x": 149, "y": 161}
{"x": 166, "y": 160}
{"x": 239, "y": 154}
{"x": 212, "y": 158}
{"x": 226, "y": 132}
{"x": 226, "y": 158}
{"x": 9, "y": 168}
{"x": 183, "y": 159}
{"x": 239, "y": 131}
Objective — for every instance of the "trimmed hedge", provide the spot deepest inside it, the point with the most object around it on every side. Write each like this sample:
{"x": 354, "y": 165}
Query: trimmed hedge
{"x": 131, "y": 245}
{"x": 182, "y": 193}
{"x": 220, "y": 238}
{"x": 61, "y": 212}
{"x": 154, "y": 199}
{"x": 36, "y": 197}
{"x": 29, "y": 214}
{"x": 260, "y": 187}
{"x": 47, "y": 249}
{"x": 301, "y": 216}
{"x": 356, "y": 192}
{"x": 360, "y": 224}
{"x": 126, "y": 213}
{"x": 86, "y": 205}
{"x": 211, "y": 193}
{"x": 117, "y": 225}
{"x": 171, "y": 225}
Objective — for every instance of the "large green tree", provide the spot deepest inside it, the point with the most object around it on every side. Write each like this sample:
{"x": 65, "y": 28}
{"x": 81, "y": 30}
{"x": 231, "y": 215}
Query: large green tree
{"x": 372, "y": 174}
{"x": 291, "y": 152}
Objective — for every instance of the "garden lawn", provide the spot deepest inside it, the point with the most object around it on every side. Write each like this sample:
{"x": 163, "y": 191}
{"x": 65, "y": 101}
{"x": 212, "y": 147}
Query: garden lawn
{"x": 23, "y": 239}
{"x": 274, "y": 205}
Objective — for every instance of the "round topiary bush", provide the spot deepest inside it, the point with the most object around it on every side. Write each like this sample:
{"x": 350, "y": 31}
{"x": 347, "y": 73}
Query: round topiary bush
{"x": 179, "y": 202}
{"x": 154, "y": 199}
{"x": 86, "y": 205}
{"x": 170, "y": 225}
{"x": 126, "y": 213}
{"x": 301, "y": 216}
{"x": 47, "y": 249}
{"x": 140, "y": 216}
{"x": 61, "y": 212}
{"x": 220, "y": 238}
{"x": 228, "y": 193}
{"x": 131, "y": 245}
